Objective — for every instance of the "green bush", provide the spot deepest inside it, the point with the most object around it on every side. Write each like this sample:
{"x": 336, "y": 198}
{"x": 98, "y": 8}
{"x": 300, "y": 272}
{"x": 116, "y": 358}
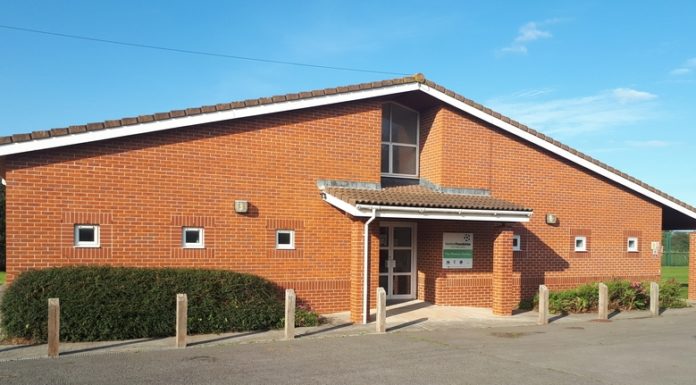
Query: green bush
{"x": 670, "y": 294}
{"x": 623, "y": 295}
{"x": 110, "y": 303}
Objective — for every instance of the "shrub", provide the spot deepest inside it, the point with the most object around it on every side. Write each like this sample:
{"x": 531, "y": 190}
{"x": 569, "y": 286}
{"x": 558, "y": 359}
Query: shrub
{"x": 107, "y": 303}
{"x": 669, "y": 294}
{"x": 623, "y": 295}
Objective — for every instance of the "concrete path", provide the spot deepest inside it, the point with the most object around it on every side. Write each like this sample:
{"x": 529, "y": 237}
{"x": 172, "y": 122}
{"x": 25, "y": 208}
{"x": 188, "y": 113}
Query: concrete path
{"x": 631, "y": 350}
{"x": 407, "y": 316}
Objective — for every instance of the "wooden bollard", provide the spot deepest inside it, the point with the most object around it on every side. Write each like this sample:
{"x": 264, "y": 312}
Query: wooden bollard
{"x": 53, "y": 327}
{"x": 543, "y": 305}
{"x": 289, "y": 314}
{"x": 381, "y": 310}
{"x": 654, "y": 299}
{"x": 603, "y": 311}
{"x": 181, "y": 319}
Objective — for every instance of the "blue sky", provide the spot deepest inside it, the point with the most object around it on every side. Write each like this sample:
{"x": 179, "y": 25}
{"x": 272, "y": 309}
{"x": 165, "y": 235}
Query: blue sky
{"x": 616, "y": 80}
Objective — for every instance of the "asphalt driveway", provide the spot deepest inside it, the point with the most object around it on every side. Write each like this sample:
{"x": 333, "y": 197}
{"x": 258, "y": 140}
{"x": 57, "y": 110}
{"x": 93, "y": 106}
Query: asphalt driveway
{"x": 630, "y": 351}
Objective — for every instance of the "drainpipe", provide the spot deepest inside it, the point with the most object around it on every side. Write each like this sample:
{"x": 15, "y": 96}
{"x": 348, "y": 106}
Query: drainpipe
{"x": 366, "y": 254}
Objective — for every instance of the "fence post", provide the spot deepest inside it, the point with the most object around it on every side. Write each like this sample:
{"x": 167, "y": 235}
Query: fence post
{"x": 289, "y": 314}
{"x": 603, "y": 312}
{"x": 381, "y": 310}
{"x": 543, "y": 305}
{"x": 181, "y": 320}
{"x": 53, "y": 327}
{"x": 654, "y": 299}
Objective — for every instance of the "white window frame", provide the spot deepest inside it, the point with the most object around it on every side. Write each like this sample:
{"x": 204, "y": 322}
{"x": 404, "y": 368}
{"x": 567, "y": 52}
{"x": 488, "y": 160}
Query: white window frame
{"x": 201, "y": 239}
{"x": 291, "y": 245}
{"x": 517, "y": 247}
{"x": 392, "y": 144}
{"x": 583, "y": 247}
{"x": 86, "y": 244}
{"x": 633, "y": 249}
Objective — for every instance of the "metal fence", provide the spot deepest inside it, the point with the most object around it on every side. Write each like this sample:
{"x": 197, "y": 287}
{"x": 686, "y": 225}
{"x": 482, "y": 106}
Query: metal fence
{"x": 675, "y": 258}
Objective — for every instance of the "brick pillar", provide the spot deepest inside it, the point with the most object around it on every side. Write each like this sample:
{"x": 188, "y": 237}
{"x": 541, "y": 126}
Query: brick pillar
{"x": 356, "y": 268}
{"x": 356, "y": 271}
{"x": 692, "y": 266}
{"x": 503, "y": 294}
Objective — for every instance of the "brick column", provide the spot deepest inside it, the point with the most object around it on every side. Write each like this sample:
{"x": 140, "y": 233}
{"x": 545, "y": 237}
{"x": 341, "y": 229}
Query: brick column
{"x": 503, "y": 295}
{"x": 692, "y": 266}
{"x": 356, "y": 271}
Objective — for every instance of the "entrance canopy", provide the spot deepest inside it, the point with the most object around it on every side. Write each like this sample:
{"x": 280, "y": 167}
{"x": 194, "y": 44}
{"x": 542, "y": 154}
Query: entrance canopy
{"x": 420, "y": 202}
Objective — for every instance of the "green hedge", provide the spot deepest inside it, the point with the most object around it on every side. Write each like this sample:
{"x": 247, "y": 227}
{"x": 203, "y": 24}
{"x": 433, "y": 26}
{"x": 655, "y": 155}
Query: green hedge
{"x": 112, "y": 303}
{"x": 623, "y": 295}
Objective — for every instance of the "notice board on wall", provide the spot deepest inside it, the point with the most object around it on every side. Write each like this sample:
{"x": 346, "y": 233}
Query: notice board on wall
{"x": 457, "y": 250}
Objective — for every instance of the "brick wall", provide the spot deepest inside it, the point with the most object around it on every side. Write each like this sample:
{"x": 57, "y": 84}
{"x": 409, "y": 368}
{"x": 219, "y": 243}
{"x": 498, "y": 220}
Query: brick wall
{"x": 143, "y": 189}
{"x": 692, "y": 266}
{"x": 481, "y": 156}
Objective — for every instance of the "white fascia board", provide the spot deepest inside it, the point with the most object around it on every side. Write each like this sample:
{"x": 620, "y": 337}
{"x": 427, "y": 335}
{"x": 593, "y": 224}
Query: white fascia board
{"x": 427, "y": 212}
{"x": 143, "y": 128}
{"x": 554, "y": 149}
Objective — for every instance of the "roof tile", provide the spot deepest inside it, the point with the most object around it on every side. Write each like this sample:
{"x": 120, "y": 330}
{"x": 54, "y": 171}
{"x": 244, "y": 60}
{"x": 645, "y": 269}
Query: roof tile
{"x": 40, "y": 134}
{"x": 112, "y": 123}
{"x": 145, "y": 118}
{"x": 419, "y": 196}
{"x": 59, "y": 131}
{"x": 95, "y": 126}
{"x": 81, "y": 128}
{"x": 21, "y": 138}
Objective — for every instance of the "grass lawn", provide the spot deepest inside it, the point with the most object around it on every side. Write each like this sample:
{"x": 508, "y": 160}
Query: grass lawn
{"x": 2, "y": 277}
{"x": 680, "y": 273}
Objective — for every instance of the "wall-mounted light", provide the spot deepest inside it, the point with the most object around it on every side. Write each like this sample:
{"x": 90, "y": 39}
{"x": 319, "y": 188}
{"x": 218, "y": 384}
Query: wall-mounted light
{"x": 241, "y": 207}
{"x": 551, "y": 219}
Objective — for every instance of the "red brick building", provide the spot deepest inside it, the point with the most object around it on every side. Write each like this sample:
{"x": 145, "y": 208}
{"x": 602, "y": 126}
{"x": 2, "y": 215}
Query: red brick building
{"x": 422, "y": 191}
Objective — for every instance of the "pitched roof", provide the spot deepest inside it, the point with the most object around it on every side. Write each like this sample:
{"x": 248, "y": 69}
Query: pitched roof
{"x": 180, "y": 118}
{"x": 419, "y": 196}
{"x": 159, "y": 116}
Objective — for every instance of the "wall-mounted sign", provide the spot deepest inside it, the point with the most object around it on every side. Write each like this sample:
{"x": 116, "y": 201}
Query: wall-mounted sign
{"x": 457, "y": 250}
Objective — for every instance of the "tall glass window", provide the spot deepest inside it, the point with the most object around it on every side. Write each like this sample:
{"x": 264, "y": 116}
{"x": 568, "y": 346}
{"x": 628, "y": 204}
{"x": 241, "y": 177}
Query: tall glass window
{"x": 399, "y": 141}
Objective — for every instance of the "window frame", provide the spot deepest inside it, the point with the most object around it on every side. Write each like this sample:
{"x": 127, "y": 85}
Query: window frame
{"x": 391, "y": 145}
{"x": 201, "y": 238}
{"x": 96, "y": 243}
{"x": 517, "y": 247}
{"x": 291, "y": 245}
{"x": 636, "y": 247}
{"x": 584, "y": 244}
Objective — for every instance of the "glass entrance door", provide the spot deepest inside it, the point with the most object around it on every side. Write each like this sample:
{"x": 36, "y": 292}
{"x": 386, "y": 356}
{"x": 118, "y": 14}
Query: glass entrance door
{"x": 397, "y": 260}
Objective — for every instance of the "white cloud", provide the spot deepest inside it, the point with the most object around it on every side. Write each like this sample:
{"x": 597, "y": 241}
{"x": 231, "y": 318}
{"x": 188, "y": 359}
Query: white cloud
{"x": 571, "y": 116}
{"x": 528, "y": 33}
{"x": 629, "y": 95}
{"x": 680, "y": 71}
{"x": 685, "y": 68}
{"x": 531, "y": 32}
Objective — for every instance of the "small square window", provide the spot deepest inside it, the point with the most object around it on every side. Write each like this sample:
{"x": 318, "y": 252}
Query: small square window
{"x": 632, "y": 244}
{"x": 285, "y": 239}
{"x": 192, "y": 238}
{"x": 86, "y": 235}
{"x": 516, "y": 243}
{"x": 580, "y": 243}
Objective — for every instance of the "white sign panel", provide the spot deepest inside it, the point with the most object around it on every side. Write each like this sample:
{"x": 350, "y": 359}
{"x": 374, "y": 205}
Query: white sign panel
{"x": 457, "y": 250}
